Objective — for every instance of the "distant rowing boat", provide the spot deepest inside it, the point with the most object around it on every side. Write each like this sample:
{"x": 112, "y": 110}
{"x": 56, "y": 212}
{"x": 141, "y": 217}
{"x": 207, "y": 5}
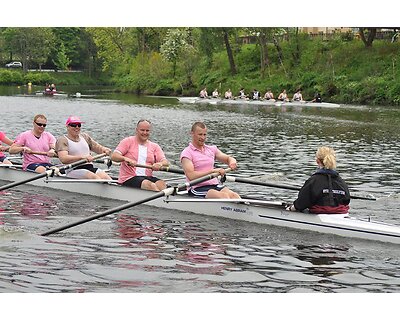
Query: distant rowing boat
{"x": 51, "y": 94}
{"x": 251, "y": 210}
{"x": 197, "y": 100}
{"x": 61, "y": 94}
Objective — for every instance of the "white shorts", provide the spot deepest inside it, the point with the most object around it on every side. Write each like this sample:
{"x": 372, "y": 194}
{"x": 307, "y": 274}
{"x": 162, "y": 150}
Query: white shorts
{"x": 80, "y": 173}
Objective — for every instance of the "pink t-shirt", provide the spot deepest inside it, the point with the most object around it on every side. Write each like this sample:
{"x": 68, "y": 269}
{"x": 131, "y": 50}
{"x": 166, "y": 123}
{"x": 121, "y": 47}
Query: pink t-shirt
{"x": 129, "y": 147}
{"x": 2, "y": 136}
{"x": 202, "y": 160}
{"x": 28, "y": 139}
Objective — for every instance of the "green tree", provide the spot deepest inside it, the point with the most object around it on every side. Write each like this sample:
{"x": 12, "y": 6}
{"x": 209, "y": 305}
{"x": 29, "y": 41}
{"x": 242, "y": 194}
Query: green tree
{"x": 294, "y": 44}
{"x": 149, "y": 39}
{"x": 263, "y": 35}
{"x": 91, "y": 63}
{"x": 32, "y": 45}
{"x": 175, "y": 45}
{"x": 278, "y": 33}
{"x": 210, "y": 40}
{"x": 367, "y": 36}
{"x": 226, "y": 33}
{"x": 73, "y": 39}
{"x": 114, "y": 45}
{"x": 62, "y": 61}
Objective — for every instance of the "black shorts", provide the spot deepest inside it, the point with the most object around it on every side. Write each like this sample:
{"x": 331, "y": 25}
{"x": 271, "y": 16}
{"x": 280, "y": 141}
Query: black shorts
{"x": 201, "y": 192}
{"x": 87, "y": 166}
{"x": 33, "y": 166}
{"x": 136, "y": 182}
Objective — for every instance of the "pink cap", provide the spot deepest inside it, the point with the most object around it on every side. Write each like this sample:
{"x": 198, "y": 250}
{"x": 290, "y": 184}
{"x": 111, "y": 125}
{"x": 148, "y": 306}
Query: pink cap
{"x": 73, "y": 119}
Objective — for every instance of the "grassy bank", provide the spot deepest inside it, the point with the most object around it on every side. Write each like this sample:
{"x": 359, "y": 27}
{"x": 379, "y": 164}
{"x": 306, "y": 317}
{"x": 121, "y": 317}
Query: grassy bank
{"x": 17, "y": 77}
{"x": 342, "y": 71}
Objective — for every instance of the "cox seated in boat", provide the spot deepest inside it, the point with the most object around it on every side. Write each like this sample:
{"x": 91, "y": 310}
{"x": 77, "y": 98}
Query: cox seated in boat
{"x": 198, "y": 160}
{"x": 8, "y": 141}
{"x": 317, "y": 97}
{"x": 76, "y": 146}
{"x": 138, "y": 149}
{"x": 325, "y": 191}
{"x": 37, "y": 146}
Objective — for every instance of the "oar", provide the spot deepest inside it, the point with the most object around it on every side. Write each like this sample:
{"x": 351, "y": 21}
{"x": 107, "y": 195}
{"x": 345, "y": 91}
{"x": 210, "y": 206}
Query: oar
{"x": 14, "y": 158}
{"x": 163, "y": 168}
{"x": 167, "y": 168}
{"x": 12, "y": 165}
{"x": 48, "y": 173}
{"x": 279, "y": 186}
{"x": 159, "y": 194}
{"x": 41, "y": 153}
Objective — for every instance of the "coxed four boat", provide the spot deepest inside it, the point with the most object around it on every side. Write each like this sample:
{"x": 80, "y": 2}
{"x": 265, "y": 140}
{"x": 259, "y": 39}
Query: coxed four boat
{"x": 251, "y": 210}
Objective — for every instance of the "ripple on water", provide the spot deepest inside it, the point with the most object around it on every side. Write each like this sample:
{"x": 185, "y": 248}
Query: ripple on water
{"x": 153, "y": 250}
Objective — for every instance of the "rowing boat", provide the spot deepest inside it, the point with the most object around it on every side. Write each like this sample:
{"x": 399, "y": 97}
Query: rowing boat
{"x": 51, "y": 94}
{"x": 196, "y": 100}
{"x": 251, "y": 210}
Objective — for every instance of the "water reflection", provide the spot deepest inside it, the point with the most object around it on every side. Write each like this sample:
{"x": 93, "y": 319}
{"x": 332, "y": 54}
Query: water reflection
{"x": 128, "y": 227}
{"x": 154, "y": 250}
{"x": 37, "y": 206}
{"x": 325, "y": 259}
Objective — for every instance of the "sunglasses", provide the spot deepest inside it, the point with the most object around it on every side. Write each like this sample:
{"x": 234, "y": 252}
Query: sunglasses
{"x": 74, "y": 125}
{"x": 41, "y": 124}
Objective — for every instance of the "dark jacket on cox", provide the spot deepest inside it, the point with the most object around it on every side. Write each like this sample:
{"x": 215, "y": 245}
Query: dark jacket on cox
{"x": 324, "y": 192}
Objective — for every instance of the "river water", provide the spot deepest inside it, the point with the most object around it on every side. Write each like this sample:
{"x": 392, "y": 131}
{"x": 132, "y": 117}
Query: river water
{"x": 144, "y": 249}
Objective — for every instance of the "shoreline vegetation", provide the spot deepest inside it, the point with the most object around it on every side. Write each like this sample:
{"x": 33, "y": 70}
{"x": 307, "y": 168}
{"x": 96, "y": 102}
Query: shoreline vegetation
{"x": 343, "y": 70}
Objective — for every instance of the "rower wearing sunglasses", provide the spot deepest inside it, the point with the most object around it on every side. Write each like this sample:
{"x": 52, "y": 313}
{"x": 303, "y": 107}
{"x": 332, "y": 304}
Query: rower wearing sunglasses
{"x": 76, "y": 146}
{"x": 36, "y": 145}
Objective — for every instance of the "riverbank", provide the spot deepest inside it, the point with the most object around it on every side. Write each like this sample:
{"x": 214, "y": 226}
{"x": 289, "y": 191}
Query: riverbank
{"x": 343, "y": 72}
{"x": 17, "y": 77}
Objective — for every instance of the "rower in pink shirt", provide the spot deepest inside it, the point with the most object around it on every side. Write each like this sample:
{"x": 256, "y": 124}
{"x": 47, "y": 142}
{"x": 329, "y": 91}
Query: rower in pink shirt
{"x": 198, "y": 160}
{"x": 37, "y": 146}
{"x": 8, "y": 141}
{"x": 139, "y": 149}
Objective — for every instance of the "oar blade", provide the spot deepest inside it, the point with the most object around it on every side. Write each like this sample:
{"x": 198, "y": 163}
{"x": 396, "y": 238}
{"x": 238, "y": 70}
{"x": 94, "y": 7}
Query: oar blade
{"x": 128, "y": 205}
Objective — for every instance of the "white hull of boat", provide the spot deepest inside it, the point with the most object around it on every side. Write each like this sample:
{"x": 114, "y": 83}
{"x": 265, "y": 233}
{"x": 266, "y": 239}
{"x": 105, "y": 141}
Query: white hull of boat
{"x": 196, "y": 100}
{"x": 52, "y": 94}
{"x": 265, "y": 212}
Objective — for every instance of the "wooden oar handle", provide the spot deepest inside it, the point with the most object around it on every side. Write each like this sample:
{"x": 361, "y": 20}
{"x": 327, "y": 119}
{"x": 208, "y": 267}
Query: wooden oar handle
{"x": 42, "y": 153}
{"x": 163, "y": 168}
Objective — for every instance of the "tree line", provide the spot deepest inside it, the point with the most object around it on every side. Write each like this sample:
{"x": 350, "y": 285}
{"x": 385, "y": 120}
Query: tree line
{"x": 181, "y": 60}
